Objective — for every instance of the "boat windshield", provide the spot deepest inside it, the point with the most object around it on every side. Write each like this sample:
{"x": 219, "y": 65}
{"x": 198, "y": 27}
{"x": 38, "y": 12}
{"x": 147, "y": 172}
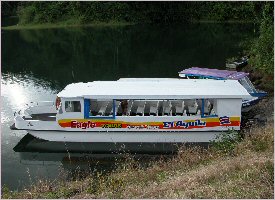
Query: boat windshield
{"x": 246, "y": 83}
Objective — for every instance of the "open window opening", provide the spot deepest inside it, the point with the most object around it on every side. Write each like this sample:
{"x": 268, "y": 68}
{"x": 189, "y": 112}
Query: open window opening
{"x": 208, "y": 107}
{"x": 72, "y": 106}
{"x": 123, "y": 107}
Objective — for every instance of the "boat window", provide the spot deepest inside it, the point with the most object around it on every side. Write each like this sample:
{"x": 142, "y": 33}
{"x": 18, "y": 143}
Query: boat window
{"x": 100, "y": 108}
{"x": 208, "y": 107}
{"x": 246, "y": 83}
{"x": 109, "y": 108}
{"x": 250, "y": 84}
{"x": 135, "y": 107}
{"x": 72, "y": 106}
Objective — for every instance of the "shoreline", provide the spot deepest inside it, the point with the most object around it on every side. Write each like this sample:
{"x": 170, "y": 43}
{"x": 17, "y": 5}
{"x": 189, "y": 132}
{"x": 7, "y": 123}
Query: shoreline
{"x": 107, "y": 24}
{"x": 64, "y": 25}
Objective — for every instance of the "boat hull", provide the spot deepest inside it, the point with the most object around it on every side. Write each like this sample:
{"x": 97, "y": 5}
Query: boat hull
{"x": 247, "y": 105}
{"x": 32, "y": 144}
{"x": 127, "y": 137}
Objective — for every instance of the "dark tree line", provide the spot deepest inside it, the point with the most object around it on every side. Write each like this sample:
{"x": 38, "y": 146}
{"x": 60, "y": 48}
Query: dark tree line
{"x": 134, "y": 12}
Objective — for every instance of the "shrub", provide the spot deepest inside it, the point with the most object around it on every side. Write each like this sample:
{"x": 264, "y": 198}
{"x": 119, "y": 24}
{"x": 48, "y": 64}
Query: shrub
{"x": 262, "y": 49}
{"x": 226, "y": 142}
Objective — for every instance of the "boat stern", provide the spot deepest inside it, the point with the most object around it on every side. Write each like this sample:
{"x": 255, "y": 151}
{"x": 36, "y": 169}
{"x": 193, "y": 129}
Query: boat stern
{"x": 40, "y": 111}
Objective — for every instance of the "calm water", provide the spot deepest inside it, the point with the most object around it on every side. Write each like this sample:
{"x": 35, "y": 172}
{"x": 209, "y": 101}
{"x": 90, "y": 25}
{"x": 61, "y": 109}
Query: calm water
{"x": 36, "y": 64}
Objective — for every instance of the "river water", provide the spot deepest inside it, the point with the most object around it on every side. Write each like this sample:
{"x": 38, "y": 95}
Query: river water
{"x": 37, "y": 64}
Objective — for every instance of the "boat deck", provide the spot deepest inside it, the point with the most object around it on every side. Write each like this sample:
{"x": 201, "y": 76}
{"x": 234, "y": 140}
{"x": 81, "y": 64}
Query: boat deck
{"x": 43, "y": 117}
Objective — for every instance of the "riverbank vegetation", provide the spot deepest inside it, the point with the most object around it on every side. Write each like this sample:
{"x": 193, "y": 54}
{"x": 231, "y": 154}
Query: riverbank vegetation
{"x": 261, "y": 51}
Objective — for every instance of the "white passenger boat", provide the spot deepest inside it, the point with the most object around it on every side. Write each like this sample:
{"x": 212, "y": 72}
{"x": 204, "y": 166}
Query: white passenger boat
{"x": 137, "y": 111}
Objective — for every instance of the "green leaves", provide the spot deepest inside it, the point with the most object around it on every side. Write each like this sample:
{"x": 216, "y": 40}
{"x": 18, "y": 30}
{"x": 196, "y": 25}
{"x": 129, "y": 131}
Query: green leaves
{"x": 226, "y": 142}
{"x": 262, "y": 50}
{"x": 138, "y": 12}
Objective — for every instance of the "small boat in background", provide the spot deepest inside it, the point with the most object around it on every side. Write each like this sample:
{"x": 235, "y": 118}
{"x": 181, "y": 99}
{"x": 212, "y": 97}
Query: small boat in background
{"x": 237, "y": 63}
{"x": 242, "y": 77}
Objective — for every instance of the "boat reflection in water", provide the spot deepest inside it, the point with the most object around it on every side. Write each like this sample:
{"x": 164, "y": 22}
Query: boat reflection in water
{"x": 30, "y": 143}
{"x": 80, "y": 159}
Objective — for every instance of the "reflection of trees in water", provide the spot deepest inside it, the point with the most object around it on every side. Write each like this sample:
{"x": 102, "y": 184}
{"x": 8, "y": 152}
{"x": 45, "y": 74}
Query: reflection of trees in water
{"x": 105, "y": 53}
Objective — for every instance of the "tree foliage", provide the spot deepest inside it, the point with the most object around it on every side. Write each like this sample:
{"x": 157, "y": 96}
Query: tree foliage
{"x": 262, "y": 49}
{"x": 137, "y": 12}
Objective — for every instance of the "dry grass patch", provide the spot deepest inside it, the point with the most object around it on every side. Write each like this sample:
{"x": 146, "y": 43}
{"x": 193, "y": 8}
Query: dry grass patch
{"x": 213, "y": 180}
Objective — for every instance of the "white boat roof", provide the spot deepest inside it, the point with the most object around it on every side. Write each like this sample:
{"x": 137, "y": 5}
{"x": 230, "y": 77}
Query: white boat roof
{"x": 149, "y": 79}
{"x": 180, "y": 89}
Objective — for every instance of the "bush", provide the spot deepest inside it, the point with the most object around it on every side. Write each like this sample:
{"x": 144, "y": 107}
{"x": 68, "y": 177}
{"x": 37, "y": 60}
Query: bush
{"x": 262, "y": 49}
{"x": 226, "y": 142}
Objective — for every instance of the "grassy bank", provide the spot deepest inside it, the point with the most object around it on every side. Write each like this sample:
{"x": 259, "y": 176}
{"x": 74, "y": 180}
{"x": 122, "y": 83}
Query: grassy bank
{"x": 239, "y": 169}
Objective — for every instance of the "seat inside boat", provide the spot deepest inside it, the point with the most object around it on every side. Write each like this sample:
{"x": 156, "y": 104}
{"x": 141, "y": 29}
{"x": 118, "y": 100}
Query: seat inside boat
{"x": 193, "y": 107}
{"x": 100, "y": 108}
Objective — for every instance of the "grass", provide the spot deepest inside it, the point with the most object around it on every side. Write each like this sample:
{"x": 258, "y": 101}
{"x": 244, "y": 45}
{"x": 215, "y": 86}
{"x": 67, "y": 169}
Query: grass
{"x": 246, "y": 171}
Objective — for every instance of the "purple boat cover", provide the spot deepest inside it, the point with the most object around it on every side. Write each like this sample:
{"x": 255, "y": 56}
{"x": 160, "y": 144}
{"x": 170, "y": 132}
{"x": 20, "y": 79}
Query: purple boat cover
{"x": 214, "y": 73}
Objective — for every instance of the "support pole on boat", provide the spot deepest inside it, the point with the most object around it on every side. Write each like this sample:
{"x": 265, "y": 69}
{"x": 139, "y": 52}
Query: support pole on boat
{"x": 114, "y": 108}
{"x": 87, "y": 105}
{"x": 202, "y": 107}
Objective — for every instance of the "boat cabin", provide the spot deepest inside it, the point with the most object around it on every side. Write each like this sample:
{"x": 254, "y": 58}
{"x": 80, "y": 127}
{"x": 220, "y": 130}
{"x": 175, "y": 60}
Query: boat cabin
{"x": 151, "y": 99}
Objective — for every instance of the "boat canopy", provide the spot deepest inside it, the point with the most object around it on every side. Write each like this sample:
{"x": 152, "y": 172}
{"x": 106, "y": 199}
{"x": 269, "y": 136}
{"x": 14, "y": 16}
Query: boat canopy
{"x": 150, "y": 79}
{"x": 182, "y": 89}
{"x": 213, "y": 73}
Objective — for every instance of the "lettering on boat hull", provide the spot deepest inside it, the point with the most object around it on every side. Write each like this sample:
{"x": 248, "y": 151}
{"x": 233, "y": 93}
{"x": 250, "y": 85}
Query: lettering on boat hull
{"x": 201, "y": 123}
{"x": 112, "y": 125}
{"x": 83, "y": 125}
{"x": 183, "y": 124}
